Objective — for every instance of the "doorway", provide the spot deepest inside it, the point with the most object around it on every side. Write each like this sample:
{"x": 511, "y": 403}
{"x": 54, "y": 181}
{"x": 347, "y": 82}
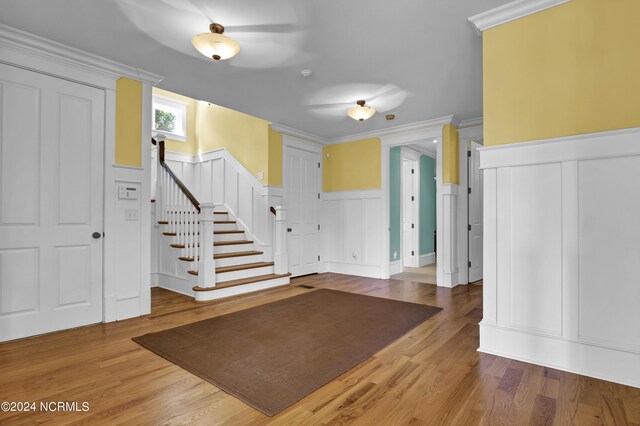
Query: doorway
{"x": 474, "y": 212}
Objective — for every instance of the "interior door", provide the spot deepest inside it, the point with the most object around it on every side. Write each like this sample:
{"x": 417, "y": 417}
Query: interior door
{"x": 301, "y": 197}
{"x": 409, "y": 254}
{"x": 475, "y": 214}
{"x": 51, "y": 180}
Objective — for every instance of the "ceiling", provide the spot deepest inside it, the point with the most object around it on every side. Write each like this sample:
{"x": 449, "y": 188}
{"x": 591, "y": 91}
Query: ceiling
{"x": 417, "y": 59}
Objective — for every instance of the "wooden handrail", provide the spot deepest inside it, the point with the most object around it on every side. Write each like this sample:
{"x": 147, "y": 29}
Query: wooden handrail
{"x": 182, "y": 186}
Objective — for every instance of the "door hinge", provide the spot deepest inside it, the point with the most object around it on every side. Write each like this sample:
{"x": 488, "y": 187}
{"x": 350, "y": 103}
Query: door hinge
{"x": 318, "y": 195}
{"x": 469, "y": 264}
{"x": 318, "y": 227}
{"x": 468, "y": 153}
{"x": 318, "y": 258}
{"x": 412, "y": 171}
{"x": 412, "y": 199}
{"x": 412, "y": 226}
{"x": 412, "y": 253}
{"x": 469, "y": 227}
{"x": 468, "y": 190}
{"x": 318, "y": 164}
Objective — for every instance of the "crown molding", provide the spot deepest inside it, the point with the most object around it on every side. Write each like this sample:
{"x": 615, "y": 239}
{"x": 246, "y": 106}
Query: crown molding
{"x": 510, "y": 12}
{"x": 470, "y": 122}
{"x": 34, "y": 45}
{"x": 298, "y": 133}
{"x": 404, "y": 128}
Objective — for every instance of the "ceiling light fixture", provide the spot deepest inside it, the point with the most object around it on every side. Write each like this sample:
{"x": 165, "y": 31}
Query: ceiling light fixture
{"x": 361, "y": 112}
{"x": 214, "y": 44}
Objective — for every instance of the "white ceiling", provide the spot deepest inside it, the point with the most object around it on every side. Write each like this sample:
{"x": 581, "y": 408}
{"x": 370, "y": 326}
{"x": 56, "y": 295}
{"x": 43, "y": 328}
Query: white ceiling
{"x": 417, "y": 59}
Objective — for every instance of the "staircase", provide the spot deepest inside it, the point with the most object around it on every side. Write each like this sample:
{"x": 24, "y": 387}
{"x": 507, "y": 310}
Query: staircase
{"x": 211, "y": 246}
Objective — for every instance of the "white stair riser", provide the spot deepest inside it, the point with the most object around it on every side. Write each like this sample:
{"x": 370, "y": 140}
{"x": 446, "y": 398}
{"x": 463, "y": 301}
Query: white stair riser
{"x": 225, "y": 226}
{"x": 240, "y": 260}
{"x": 229, "y": 237}
{"x": 233, "y": 248}
{"x": 202, "y": 296}
{"x": 244, "y": 273}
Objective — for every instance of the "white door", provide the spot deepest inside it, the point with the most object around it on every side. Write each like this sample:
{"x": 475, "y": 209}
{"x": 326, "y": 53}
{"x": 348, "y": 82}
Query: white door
{"x": 51, "y": 156}
{"x": 301, "y": 178}
{"x": 409, "y": 252}
{"x": 475, "y": 215}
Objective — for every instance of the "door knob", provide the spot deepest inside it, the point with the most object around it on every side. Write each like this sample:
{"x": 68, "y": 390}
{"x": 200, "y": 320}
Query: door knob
{"x": 96, "y": 235}
{"x": 289, "y": 229}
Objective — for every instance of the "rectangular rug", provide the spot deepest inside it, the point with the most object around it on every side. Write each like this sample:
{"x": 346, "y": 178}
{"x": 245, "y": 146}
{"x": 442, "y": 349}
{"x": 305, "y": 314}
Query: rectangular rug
{"x": 273, "y": 355}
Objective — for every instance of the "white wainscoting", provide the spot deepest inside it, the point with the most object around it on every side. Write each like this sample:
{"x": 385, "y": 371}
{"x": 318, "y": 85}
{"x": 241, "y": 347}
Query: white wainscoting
{"x": 562, "y": 244}
{"x": 351, "y": 232}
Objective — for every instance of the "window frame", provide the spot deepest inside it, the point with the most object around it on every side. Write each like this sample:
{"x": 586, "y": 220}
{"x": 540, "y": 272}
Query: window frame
{"x": 170, "y": 105}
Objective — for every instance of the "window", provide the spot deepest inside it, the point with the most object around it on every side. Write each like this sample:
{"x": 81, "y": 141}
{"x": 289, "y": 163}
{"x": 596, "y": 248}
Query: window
{"x": 169, "y": 118}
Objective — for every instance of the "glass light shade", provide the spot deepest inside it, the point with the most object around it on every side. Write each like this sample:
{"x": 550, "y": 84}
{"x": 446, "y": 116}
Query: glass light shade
{"x": 361, "y": 113}
{"x": 216, "y": 46}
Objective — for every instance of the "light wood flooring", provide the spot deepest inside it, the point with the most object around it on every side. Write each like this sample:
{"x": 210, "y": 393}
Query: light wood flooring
{"x": 432, "y": 375}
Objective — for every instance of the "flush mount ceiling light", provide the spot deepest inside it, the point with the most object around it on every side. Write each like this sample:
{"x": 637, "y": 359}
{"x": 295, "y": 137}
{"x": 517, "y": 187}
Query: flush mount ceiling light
{"x": 214, "y": 44}
{"x": 361, "y": 112}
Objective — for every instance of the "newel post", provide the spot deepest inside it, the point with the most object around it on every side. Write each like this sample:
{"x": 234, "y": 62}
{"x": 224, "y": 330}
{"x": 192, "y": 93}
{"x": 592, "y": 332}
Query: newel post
{"x": 159, "y": 195}
{"x": 206, "y": 266}
{"x": 280, "y": 257}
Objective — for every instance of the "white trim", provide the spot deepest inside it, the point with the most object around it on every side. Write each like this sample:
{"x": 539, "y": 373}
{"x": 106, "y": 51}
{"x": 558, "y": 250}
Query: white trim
{"x": 185, "y": 158}
{"x": 395, "y": 267}
{"x": 615, "y": 143}
{"x": 295, "y": 142}
{"x": 427, "y": 259}
{"x": 352, "y": 194}
{"x": 399, "y": 135}
{"x": 202, "y": 296}
{"x": 510, "y": 12}
{"x": 69, "y": 57}
{"x": 354, "y": 269}
{"x": 120, "y": 166}
{"x": 173, "y": 283}
{"x": 597, "y": 361}
{"x": 298, "y": 133}
{"x": 466, "y": 134}
{"x": 470, "y": 122}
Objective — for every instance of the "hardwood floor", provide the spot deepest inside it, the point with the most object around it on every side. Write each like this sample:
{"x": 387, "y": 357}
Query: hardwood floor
{"x": 432, "y": 375}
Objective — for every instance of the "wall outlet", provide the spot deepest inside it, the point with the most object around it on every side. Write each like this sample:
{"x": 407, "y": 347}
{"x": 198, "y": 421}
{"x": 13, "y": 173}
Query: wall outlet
{"x": 260, "y": 175}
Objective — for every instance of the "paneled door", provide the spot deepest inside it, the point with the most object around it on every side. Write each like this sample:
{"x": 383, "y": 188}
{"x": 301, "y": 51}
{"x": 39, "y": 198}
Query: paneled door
{"x": 301, "y": 179}
{"x": 51, "y": 207}
{"x": 475, "y": 214}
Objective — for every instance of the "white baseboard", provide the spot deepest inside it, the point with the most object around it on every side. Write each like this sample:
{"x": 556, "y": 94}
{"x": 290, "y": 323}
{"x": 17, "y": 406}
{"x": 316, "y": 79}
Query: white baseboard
{"x": 449, "y": 280}
{"x": 395, "y": 267}
{"x": 354, "y": 269}
{"x": 427, "y": 259}
{"x": 174, "y": 284}
{"x": 588, "y": 360}
{"x": 204, "y": 296}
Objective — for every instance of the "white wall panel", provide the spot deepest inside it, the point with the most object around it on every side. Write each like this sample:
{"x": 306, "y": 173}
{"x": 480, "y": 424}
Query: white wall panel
{"x": 536, "y": 248}
{"x": 562, "y": 244}
{"x": 609, "y": 226}
{"x": 73, "y": 275}
{"x": 19, "y": 281}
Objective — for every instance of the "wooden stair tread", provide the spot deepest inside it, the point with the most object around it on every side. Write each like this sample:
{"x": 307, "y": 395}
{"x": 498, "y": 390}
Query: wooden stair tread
{"x": 238, "y": 267}
{"x": 174, "y": 234}
{"x": 232, "y": 283}
{"x": 246, "y": 266}
{"x": 223, "y": 221}
{"x": 220, "y": 212}
{"x": 225, "y": 255}
{"x": 216, "y": 243}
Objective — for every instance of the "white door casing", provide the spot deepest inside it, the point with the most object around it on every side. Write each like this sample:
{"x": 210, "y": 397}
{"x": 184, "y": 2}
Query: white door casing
{"x": 51, "y": 202}
{"x": 301, "y": 181}
{"x": 475, "y": 213}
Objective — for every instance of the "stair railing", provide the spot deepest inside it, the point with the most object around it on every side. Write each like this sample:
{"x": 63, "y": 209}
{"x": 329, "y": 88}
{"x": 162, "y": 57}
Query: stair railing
{"x": 189, "y": 221}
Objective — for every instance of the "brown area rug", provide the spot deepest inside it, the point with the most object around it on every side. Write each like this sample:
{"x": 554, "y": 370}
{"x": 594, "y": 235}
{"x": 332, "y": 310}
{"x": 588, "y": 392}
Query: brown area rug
{"x": 273, "y": 355}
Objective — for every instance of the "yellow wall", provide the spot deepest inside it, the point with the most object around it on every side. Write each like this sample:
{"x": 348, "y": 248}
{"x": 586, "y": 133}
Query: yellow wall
{"x": 352, "y": 166}
{"x": 274, "y": 176}
{"x": 128, "y": 150}
{"x": 571, "y": 69}
{"x": 450, "y": 155}
{"x": 189, "y": 146}
{"x": 244, "y": 136}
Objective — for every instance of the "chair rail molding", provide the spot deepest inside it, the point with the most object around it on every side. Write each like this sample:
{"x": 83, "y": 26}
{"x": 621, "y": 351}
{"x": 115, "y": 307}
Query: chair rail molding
{"x": 510, "y": 12}
{"x": 560, "y": 253}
